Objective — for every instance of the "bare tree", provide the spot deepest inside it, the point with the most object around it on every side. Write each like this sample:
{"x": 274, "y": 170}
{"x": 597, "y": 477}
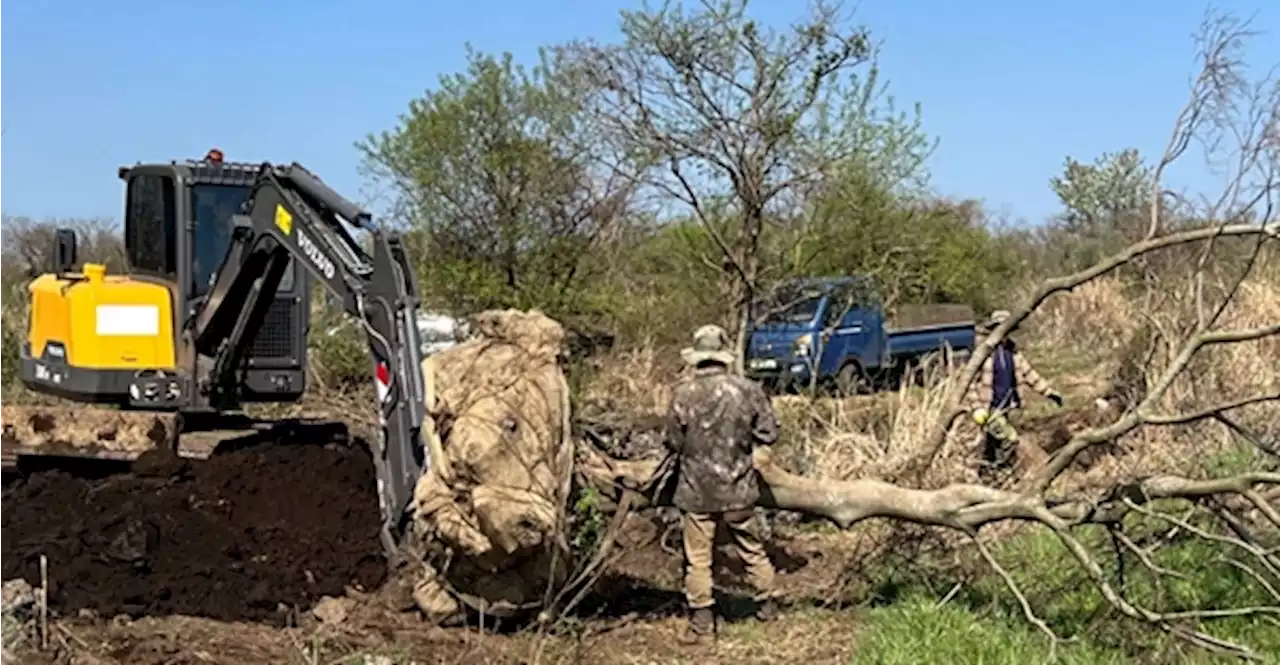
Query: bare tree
{"x": 736, "y": 122}
{"x": 28, "y": 244}
{"x": 1224, "y": 103}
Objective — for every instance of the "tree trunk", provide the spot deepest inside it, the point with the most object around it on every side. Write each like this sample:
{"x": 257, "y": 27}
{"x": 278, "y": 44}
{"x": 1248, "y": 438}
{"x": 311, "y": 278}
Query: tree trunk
{"x": 740, "y": 341}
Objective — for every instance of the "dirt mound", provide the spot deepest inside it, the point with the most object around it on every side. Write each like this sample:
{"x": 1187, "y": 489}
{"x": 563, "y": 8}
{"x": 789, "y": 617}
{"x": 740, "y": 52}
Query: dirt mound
{"x": 233, "y": 537}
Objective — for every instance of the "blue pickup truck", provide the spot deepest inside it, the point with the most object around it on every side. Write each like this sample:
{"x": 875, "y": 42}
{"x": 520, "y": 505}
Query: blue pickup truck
{"x": 837, "y": 328}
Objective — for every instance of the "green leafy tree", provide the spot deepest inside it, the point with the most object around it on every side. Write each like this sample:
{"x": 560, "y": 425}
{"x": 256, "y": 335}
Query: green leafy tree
{"x": 1106, "y": 207}
{"x": 919, "y": 249}
{"x": 661, "y": 283}
{"x": 500, "y": 188}
{"x": 1110, "y": 195}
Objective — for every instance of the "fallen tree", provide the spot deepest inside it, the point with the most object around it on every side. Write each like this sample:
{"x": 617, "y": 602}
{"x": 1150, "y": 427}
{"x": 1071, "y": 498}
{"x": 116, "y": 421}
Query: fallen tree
{"x": 492, "y": 511}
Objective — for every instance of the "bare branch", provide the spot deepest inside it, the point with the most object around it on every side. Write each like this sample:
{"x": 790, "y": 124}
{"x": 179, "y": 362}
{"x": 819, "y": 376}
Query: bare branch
{"x": 1063, "y": 457}
{"x": 1210, "y": 412}
{"x": 1012, "y": 586}
{"x": 1063, "y": 284}
{"x": 1145, "y": 557}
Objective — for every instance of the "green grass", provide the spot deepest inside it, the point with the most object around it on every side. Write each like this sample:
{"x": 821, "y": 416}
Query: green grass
{"x": 983, "y": 623}
{"x": 903, "y": 621}
{"x": 917, "y": 630}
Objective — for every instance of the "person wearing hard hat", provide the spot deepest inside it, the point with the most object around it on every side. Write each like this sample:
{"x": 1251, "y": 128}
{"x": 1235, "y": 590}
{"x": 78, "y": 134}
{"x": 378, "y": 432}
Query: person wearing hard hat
{"x": 993, "y": 398}
{"x": 715, "y": 421}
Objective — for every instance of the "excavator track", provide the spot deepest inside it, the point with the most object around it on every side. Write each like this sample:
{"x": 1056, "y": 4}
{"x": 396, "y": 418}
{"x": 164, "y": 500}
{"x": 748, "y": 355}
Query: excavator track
{"x": 87, "y": 432}
{"x": 111, "y": 434}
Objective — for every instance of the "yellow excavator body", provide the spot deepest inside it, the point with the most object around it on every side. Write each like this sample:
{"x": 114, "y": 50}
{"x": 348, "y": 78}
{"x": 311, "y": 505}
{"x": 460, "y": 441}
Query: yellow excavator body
{"x": 102, "y": 322}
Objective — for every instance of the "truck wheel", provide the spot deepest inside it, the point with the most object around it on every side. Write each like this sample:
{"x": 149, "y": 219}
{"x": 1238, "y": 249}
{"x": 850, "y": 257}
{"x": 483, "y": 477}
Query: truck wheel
{"x": 851, "y": 380}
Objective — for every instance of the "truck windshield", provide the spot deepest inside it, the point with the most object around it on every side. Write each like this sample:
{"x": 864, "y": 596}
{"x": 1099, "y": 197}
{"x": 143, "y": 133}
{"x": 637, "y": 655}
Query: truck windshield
{"x": 793, "y": 306}
{"x": 212, "y": 207}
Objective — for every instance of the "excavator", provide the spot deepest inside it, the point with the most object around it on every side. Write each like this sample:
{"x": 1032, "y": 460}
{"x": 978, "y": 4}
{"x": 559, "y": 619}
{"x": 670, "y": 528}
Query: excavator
{"x": 211, "y": 316}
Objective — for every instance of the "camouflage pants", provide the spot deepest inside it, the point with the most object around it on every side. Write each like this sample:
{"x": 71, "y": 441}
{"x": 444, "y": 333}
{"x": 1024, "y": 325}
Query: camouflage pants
{"x": 699, "y": 546}
{"x": 1000, "y": 441}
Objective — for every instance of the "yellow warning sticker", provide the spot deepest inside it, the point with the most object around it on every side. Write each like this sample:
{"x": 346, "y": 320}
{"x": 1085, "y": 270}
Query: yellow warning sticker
{"x": 284, "y": 220}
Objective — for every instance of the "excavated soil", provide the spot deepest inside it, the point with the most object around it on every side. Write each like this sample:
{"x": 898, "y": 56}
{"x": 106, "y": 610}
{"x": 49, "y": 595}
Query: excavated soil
{"x": 252, "y": 534}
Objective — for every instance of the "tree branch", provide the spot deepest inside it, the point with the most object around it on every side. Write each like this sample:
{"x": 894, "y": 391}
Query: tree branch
{"x": 1047, "y": 289}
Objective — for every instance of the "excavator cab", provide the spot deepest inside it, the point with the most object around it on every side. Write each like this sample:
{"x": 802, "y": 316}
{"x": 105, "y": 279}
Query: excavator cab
{"x": 178, "y": 228}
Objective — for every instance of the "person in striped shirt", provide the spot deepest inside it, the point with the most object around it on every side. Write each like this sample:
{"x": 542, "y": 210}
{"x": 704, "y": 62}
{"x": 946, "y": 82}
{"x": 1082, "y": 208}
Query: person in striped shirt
{"x": 994, "y": 399}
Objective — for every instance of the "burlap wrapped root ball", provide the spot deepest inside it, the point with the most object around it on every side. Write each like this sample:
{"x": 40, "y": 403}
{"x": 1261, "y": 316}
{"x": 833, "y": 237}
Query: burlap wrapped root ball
{"x": 489, "y": 511}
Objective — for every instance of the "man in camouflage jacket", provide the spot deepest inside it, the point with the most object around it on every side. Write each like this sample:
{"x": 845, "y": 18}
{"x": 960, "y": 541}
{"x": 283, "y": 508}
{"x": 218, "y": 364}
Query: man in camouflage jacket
{"x": 993, "y": 398}
{"x": 715, "y": 421}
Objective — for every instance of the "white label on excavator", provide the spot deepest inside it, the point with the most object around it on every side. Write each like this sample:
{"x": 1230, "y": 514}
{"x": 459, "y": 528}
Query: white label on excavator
{"x": 132, "y": 320}
{"x": 319, "y": 259}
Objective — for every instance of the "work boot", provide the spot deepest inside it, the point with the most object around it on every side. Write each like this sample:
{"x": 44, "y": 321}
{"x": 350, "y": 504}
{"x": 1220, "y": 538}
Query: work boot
{"x": 767, "y": 611}
{"x": 702, "y": 624}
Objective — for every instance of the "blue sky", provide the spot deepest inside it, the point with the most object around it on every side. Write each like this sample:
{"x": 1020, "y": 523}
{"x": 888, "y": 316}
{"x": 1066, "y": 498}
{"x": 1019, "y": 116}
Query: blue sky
{"x": 1010, "y": 88}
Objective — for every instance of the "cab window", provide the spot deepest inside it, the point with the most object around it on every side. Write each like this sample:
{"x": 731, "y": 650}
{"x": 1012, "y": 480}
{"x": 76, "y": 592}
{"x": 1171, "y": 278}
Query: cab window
{"x": 150, "y": 225}
{"x": 866, "y": 293}
{"x": 839, "y": 302}
{"x": 792, "y": 305}
{"x": 859, "y": 294}
{"x": 212, "y": 207}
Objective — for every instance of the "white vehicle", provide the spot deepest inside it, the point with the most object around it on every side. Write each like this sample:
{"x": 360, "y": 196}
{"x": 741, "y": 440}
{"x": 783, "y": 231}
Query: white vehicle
{"x": 439, "y": 332}
{"x": 436, "y": 332}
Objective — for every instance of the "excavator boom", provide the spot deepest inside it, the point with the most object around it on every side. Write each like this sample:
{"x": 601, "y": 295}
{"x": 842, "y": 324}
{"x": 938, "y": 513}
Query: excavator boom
{"x": 293, "y": 214}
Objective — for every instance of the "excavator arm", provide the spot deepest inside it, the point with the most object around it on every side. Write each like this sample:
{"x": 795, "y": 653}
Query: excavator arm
{"x": 292, "y": 214}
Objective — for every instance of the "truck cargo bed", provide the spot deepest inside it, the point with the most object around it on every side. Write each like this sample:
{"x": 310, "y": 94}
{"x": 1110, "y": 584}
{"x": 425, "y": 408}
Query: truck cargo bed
{"x": 915, "y": 330}
{"x": 913, "y": 318}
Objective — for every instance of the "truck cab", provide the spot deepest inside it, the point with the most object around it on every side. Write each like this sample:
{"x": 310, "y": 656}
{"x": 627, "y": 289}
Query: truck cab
{"x": 836, "y": 331}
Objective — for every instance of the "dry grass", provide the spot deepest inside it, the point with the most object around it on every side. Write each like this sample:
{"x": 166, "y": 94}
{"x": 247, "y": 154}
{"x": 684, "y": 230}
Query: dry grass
{"x": 17, "y": 633}
{"x": 1120, "y": 339}
{"x": 636, "y": 381}
{"x": 864, "y": 436}
{"x": 873, "y": 436}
